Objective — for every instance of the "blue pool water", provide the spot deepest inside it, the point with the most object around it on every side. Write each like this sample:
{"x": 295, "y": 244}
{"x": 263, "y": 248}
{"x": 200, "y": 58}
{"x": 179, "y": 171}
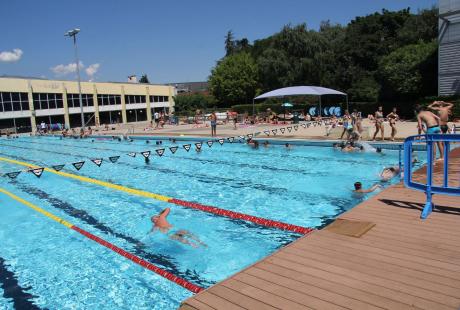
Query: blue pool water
{"x": 57, "y": 268}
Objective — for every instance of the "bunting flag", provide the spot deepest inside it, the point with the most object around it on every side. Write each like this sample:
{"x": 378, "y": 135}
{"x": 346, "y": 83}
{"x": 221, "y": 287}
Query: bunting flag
{"x": 231, "y": 139}
{"x": 250, "y": 135}
{"x": 37, "y": 172}
{"x": 97, "y": 161}
{"x": 267, "y": 132}
{"x": 146, "y": 154}
{"x": 132, "y": 154}
{"x": 78, "y": 164}
{"x": 289, "y": 129}
{"x": 160, "y": 152}
{"x": 173, "y": 149}
{"x": 187, "y": 147}
{"x": 13, "y": 175}
{"x": 58, "y": 167}
{"x": 303, "y": 125}
{"x": 274, "y": 131}
{"x": 198, "y": 145}
{"x": 308, "y": 125}
{"x": 209, "y": 143}
{"x": 114, "y": 159}
{"x": 296, "y": 127}
{"x": 282, "y": 130}
{"x": 241, "y": 137}
{"x": 257, "y": 133}
{"x": 221, "y": 141}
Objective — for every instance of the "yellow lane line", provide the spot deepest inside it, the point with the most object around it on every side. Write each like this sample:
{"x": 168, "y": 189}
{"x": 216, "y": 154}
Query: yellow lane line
{"x": 121, "y": 188}
{"x": 38, "y": 209}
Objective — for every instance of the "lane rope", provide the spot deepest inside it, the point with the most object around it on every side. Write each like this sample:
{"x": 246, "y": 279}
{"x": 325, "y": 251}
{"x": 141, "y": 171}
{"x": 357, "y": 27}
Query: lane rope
{"x": 192, "y": 205}
{"x": 163, "y": 273}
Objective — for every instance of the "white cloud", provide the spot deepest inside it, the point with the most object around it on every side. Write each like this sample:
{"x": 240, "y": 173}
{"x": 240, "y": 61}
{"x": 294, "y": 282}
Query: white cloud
{"x": 92, "y": 70}
{"x": 13, "y": 56}
{"x": 61, "y": 70}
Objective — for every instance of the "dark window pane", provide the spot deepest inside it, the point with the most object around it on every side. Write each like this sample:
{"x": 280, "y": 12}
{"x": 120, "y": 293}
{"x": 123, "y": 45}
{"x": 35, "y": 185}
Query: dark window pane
{"x": 118, "y": 100}
{"x": 7, "y": 106}
{"x": 58, "y": 96}
{"x": 36, "y": 104}
{"x": 43, "y": 97}
{"x": 16, "y": 106}
{"x": 6, "y": 97}
{"x": 15, "y": 96}
{"x": 25, "y": 106}
{"x": 35, "y": 96}
{"x": 24, "y": 97}
{"x": 90, "y": 101}
{"x": 1, "y": 107}
{"x": 59, "y": 104}
{"x": 43, "y": 105}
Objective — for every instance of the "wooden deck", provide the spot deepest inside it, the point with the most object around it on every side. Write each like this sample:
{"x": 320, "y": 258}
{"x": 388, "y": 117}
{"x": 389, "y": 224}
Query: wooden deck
{"x": 400, "y": 263}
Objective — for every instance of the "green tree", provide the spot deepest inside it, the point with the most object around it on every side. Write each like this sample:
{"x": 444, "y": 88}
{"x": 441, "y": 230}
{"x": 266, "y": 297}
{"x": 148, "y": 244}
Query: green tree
{"x": 189, "y": 103}
{"x": 234, "y": 79}
{"x": 144, "y": 79}
{"x": 229, "y": 43}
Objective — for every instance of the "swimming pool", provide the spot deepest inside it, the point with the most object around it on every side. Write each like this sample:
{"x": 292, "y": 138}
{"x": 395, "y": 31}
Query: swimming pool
{"x": 54, "y": 267}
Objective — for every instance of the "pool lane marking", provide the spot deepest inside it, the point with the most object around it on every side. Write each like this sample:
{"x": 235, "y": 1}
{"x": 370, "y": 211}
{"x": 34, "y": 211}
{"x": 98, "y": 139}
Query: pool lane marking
{"x": 187, "y": 204}
{"x": 165, "y": 274}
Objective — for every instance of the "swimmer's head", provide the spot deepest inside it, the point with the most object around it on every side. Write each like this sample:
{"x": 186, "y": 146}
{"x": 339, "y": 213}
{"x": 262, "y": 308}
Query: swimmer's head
{"x": 358, "y": 185}
{"x": 287, "y": 145}
{"x": 379, "y": 150}
{"x": 154, "y": 219}
{"x": 147, "y": 142}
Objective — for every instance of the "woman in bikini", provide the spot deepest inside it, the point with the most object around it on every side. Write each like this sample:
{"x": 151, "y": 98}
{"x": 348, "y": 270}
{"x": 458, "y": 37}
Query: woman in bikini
{"x": 392, "y": 118}
{"x": 379, "y": 123}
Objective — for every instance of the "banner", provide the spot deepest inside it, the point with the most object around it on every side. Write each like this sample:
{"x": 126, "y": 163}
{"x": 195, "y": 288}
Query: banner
{"x": 78, "y": 164}
{"x": 249, "y": 136}
{"x": 198, "y": 145}
{"x": 146, "y": 154}
{"x": 114, "y": 159}
{"x": 274, "y": 131}
{"x": 231, "y": 139}
{"x": 187, "y": 147}
{"x": 132, "y": 154}
{"x": 242, "y": 137}
{"x": 296, "y": 127}
{"x": 289, "y": 128}
{"x": 97, "y": 161}
{"x": 267, "y": 132}
{"x": 173, "y": 149}
{"x": 221, "y": 141}
{"x": 13, "y": 175}
{"x": 160, "y": 152}
{"x": 209, "y": 143}
{"x": 282, "y": 130}
{"x": 58, "y": 167}
{"x": 303, "y": 125}
{"x": 37, "y": 171}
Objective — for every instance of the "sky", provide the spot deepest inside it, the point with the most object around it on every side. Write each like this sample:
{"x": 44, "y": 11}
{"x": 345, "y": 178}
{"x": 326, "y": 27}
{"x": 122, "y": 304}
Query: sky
{"x": 170, "y": 41}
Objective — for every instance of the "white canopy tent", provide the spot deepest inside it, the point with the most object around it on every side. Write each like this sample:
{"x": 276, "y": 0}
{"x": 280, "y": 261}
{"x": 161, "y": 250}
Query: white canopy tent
{"x": 300, "y": 91}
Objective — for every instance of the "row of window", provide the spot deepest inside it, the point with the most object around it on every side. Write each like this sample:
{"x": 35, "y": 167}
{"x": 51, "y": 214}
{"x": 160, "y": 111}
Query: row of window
{"x": 13, "y": 102}
{"x": 20, "y": 102}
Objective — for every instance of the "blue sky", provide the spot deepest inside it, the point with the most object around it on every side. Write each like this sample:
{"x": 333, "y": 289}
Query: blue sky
{"x": 171, "y": 41}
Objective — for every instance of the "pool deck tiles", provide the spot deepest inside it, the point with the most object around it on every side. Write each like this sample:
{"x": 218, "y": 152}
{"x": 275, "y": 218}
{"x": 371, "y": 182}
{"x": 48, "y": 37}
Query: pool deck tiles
{"x": 400, "y": 263}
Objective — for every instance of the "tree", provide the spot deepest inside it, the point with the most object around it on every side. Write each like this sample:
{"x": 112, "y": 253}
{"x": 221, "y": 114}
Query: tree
{"x": 234, "y": 79}
{"x": 144, "y": 79}
{"x": 189, "y": 103}
{"x": 229, "y": 43}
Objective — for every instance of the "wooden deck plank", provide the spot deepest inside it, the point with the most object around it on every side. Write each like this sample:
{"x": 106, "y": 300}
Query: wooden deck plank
{"x": 401, "y": 263}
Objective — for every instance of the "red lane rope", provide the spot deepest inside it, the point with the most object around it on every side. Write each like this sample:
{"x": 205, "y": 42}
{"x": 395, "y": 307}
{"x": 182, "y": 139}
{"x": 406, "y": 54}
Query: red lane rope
{"x": 165, "y": 274}
{"x": 242, "y": 216}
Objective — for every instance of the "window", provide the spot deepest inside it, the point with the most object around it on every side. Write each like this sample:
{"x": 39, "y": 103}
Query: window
{"x": 73, "y": 100}
{"x": 159, "y": 98}
{"x": 13, "y": 102}
{"x": 130, "y": 99}
{"x": 105, "y": 99}
{"x": 47, "y": 101}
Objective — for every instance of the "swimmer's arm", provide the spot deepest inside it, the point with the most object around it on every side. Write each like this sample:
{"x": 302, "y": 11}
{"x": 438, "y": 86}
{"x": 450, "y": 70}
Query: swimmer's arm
{"x": 419, "y": 123}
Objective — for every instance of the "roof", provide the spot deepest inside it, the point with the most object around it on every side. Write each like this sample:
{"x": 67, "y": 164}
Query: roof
{"x": 300, "y": 90}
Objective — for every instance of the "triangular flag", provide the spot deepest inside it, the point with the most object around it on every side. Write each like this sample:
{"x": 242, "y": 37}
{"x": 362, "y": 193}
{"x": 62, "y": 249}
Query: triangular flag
{"x": 303, "y": 125}
{"x": 257, "y": 133}
{"x": 78, "y": 164}
{"x": 231, "y": 139}
{"x": 274, "y": 131}
{"x": 282, "y": 130}
{"x": 97, "y": 161}
{"x": 221, "y": 141}
{"x": 308, "y": 125}
{"x": 187, "y": 147}
{"x": 241, "y": 137}
{"x": 267, "y": 132}
{"x": 289, "y": 129}
{"x": 209, "y": 143}
{"x": 146, "y": 154}
{"x": 250, "y": 135}
{"x": 160, "y": 152}
{"x": 132, "y": 154}
{"x": 173, "y": 149}
{"x": 198, "y": 145}
{"x": 296, "y": 127}
{"x": 58, "y": 167}
{"x": 114, "y": 159}
{"x": 37, "y": 171}
{"x": 13, "y": 175}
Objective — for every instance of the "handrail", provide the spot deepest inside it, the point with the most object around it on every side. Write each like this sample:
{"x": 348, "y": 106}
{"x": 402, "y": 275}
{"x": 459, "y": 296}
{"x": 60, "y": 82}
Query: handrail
{"x": 429, "y": 188}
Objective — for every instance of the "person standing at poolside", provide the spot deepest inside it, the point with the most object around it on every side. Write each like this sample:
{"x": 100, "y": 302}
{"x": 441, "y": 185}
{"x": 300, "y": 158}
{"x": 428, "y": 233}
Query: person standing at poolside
{"x": 431, "y": 122}
{"x": 213, "y": 119}
{"x": 379, "y": 123}
{"x": 392, "y": 118}
{"x": 156, "y": 117}
{"x": 443, "y": 109}
{"x": 346, "y": 123}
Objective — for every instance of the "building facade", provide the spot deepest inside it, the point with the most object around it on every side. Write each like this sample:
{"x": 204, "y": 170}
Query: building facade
{"x": 26, "y": 102}
{"x": 449, "y": 48}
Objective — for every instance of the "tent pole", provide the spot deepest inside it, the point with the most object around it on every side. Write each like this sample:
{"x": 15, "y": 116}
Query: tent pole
{"x": 346, "y": 96}
{"x": 320, "y": 105}
{"x": 253, "y": 108}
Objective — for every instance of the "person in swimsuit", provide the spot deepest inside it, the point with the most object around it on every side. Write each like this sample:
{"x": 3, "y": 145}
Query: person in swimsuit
{"x": 431, "y": 122}
{"x": 346, "y": 123}
{"x": 443, "y": 109}
{"x": 392, "y": 118}
{"x": 160, "y": 223}
{"x": 359, "y": 188}
{"x": 388, "y": 173}
{"x": 379, "y": 123}
{"x": 213, "y": 119}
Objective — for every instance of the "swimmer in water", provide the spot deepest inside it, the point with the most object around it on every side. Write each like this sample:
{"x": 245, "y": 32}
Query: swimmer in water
{"x": 160, "y": 223}
{"x": 359, "y": 188}
{"x": 389, "y": 173}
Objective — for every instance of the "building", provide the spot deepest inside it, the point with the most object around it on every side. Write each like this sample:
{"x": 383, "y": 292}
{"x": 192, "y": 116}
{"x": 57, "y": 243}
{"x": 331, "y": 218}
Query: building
{"x": 449, "y": 48}
{"x": 26, "y": 102}
{"x": 190, "y": 87}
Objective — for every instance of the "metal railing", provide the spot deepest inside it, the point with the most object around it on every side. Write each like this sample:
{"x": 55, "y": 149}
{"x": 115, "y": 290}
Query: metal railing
{"x": 429, "y": 187}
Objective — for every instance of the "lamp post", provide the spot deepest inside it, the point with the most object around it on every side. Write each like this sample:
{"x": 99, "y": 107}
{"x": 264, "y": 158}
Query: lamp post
{"x": 73, "y": 33}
